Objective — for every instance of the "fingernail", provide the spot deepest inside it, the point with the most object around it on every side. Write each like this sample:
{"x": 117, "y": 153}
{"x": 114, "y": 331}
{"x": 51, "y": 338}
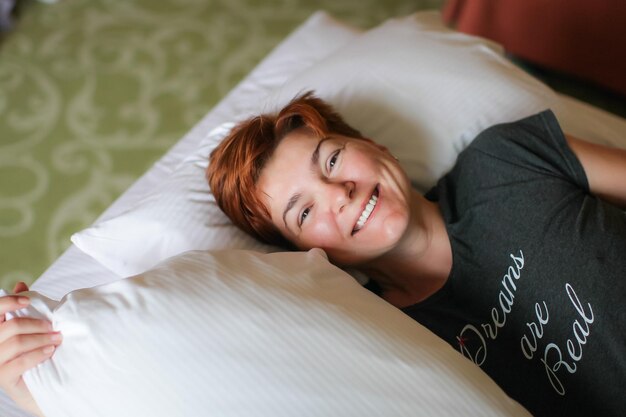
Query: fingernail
{"x": 56, "y": 337}
{"x": 23, "y": 300}
{"x": 48, "y": 349}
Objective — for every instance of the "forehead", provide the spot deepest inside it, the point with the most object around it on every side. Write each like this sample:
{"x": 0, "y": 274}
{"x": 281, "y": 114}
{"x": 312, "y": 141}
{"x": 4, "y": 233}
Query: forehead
{"x": 301, "y": 141}
{"x": 292, "y": 156}
{"x": 288, "y": 170}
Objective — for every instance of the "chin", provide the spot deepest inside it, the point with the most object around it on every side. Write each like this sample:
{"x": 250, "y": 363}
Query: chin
{"x": 357, "y": 258}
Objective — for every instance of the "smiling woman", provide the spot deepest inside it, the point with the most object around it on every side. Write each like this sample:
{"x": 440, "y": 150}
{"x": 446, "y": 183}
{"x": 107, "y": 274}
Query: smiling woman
{"x": 492, "y": 251}
{"x": 306, "y": 177}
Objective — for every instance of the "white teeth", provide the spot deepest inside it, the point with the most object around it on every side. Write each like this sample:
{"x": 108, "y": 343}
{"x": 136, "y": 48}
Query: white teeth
{"x": 366, "y": 213}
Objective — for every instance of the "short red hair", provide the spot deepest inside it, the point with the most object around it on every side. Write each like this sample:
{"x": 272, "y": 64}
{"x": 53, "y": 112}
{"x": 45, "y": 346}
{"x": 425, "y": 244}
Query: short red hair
{"x": 236, "y": 164}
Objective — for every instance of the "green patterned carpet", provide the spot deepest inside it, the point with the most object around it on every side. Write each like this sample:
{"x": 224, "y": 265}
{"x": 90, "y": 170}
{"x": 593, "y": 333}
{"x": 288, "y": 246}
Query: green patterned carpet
{"x": 92, "y": 92}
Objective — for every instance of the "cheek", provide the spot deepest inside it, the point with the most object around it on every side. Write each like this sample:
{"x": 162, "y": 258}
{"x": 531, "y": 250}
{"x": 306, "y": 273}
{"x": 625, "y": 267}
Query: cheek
{"x": 392, "y": 219}
{"x": 358, "y": 166}
{"x": 394, "y": 226}
{"x": 322, "y": 234}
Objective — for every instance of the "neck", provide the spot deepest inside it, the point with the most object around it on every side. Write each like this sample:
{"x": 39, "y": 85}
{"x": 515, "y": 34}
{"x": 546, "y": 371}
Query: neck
{"x": 420, "y": 264}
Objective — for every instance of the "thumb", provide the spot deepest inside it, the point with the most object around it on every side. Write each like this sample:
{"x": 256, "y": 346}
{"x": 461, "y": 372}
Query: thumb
{"x": 19, "y": 287}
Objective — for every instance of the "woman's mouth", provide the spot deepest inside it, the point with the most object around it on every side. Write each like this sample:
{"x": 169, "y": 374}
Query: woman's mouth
{"x": 367, "y": 211}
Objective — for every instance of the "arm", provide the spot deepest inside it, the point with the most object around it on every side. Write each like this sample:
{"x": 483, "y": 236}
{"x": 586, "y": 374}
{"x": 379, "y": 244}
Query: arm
{"x": 605, "y": 168}
{"x": 24, "y": 343}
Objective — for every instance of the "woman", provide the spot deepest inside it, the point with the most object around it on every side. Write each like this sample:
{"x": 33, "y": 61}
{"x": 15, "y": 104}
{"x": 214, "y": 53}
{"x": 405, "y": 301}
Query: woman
{"x": 469, "y": 260}
{"x": 517, "y": 257}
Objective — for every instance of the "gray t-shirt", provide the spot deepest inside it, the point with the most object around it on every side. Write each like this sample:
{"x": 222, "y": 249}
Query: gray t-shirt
{"x": 537, "y": 292}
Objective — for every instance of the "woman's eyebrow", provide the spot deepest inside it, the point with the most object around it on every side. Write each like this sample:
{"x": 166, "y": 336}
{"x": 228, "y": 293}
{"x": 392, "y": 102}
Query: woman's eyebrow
{"x": 315, "y": 157}
{"x": 292, "y": 202}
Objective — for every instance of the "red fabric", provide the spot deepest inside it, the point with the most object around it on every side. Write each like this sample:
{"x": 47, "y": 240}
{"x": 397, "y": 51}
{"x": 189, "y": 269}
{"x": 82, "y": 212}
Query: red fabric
{"x": 586, "y": 38}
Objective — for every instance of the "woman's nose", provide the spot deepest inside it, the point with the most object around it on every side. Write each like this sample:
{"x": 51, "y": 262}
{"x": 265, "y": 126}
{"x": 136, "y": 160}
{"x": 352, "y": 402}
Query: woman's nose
{"x": 340, "y": 194}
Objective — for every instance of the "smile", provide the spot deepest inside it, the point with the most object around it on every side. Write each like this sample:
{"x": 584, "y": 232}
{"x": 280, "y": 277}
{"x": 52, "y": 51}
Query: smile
{"x": 367, "y": 211}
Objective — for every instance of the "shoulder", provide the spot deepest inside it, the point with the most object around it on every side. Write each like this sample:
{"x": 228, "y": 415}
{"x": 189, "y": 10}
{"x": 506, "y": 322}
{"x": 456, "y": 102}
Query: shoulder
{"x": 534, "y": 144}
{"x": 541, "y": 127}
{"x": 532, "y": 150}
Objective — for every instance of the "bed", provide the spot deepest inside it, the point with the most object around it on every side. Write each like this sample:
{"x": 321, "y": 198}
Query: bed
{"x": 290, "y": 68}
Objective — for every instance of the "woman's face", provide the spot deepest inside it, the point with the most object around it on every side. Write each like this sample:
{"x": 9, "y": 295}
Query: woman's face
{"x": 347, "y": 196}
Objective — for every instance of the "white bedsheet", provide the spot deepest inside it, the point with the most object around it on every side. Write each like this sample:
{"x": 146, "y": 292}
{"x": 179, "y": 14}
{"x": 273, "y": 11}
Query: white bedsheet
{"x": 75, "y": 270}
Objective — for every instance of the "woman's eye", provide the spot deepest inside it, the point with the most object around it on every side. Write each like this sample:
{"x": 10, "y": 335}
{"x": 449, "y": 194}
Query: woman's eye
{"x": 304, "y": 214}
{"x": 333, "y": 160}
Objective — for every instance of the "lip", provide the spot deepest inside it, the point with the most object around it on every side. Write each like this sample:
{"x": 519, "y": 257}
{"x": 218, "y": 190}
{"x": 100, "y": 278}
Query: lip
{"x": 377, "y": 191}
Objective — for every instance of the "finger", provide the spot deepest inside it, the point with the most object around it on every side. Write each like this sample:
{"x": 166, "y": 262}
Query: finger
{"x": 23, "y": 325}
{"x": 20, "y": 344}
{"x": 12, "y": 303}
{"x": 12, "y": 371}
{"x": 20, "y": 286}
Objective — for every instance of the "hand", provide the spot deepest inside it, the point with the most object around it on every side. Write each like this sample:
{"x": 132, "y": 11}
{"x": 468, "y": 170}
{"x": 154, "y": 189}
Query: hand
{"x": 24, "y": 343}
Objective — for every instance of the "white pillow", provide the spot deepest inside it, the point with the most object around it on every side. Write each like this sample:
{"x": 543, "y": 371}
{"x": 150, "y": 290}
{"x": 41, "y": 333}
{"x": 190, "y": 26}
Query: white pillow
{"x": 181, "y": 215}
{"x": 238, "y": 333}
{"x": 419, "y": 88}
{"x": 413, "y": 85}
{"x": 422, "y": 90}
